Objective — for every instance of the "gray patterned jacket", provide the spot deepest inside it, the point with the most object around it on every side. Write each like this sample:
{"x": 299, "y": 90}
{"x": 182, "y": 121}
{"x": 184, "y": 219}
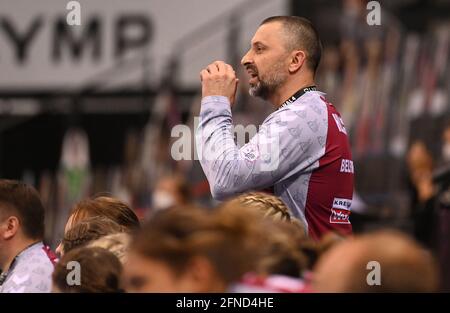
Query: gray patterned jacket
{"x": 31, "y": 272}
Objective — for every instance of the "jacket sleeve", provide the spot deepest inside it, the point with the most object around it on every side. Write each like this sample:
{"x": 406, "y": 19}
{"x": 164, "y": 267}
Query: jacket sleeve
{"x": 289, "y": 141}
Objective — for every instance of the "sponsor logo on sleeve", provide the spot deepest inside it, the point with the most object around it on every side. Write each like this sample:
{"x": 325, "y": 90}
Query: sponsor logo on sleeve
{"x": 340, "y": 212}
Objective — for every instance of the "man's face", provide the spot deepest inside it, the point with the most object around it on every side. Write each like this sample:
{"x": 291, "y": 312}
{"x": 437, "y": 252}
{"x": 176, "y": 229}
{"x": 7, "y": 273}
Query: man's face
{"x": 267, "y": 60}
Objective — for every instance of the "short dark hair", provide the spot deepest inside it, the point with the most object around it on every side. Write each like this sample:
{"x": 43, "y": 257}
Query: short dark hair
{"x": 21, "y": 199}
{"x": 101, "y": 271}
{"x": 302, "y": 34}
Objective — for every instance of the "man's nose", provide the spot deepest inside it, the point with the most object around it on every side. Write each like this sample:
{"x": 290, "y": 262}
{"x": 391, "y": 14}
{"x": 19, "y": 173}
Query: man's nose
{"x": 246, "y": 59}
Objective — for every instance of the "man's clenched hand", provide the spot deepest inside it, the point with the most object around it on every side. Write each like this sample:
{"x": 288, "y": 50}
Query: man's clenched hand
{"x": 219, "y": 79}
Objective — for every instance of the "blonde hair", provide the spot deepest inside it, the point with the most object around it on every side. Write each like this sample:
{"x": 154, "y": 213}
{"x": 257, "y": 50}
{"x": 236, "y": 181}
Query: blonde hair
{"x": 116, "y": 243}
{"x": 271, "y": 206}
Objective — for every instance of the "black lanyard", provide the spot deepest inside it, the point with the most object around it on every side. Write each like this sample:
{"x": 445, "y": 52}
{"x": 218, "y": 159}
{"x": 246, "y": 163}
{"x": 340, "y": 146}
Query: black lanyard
{"x": 297, "y": 95}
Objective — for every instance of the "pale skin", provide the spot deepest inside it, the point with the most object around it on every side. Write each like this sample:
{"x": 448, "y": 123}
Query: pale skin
{"x": 59, "y": 249}
{"x": 268, "y": 46}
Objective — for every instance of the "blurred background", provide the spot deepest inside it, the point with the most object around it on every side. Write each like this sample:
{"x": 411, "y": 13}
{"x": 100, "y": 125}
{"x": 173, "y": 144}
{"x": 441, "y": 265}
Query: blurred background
{"x": 89, "y": 109}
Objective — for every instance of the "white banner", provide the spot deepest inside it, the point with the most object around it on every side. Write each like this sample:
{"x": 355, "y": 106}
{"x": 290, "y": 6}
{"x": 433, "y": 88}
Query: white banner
{"x": 38, "y": 49}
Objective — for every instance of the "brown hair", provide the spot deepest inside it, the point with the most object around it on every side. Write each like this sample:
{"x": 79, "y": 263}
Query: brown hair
{"x": 282, "y": 253}
{"x": 22, "y": 199}
{"x": 313, "y": 250}
{"x": 226, "y": 239}
{"x": 88, "y": 230}
{"x": 301, "y": 35}
{"x": 109, "y": 207}
{"x": 100, "y": 271}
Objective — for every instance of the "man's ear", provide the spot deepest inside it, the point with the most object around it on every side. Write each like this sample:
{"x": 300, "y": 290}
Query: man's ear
{"x": 298, "y": 58}
{"x": 10, "y": 227}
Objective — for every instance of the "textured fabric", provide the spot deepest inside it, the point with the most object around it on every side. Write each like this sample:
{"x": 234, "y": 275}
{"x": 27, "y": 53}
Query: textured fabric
{"x": 301, "y": 152}
{"x": 31, "y": 272}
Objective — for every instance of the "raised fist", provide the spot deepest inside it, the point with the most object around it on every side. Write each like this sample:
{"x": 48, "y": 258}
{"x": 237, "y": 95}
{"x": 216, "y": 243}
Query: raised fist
{"x": 219, "y": 79}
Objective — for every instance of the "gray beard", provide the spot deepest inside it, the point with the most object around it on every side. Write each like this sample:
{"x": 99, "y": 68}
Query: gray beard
{"x": 259, "y": 90}
{"x": 265, "y": 88}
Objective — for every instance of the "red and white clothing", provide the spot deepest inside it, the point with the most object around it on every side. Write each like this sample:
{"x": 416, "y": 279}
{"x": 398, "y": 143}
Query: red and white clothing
{"x": 252, "y": 283}
{"x": 301, "y": 152}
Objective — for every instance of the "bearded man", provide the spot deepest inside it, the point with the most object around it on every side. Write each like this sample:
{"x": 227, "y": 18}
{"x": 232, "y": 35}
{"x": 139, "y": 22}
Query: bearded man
{"x": 301, "y": 151}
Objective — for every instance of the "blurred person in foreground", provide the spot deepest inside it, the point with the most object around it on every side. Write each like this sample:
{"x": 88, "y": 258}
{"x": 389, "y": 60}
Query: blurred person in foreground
{"x": 288, "y": 253}
{"x": 26, "y": 264}
{"x": 109, "y": 207}
{"x": 286, "y": 234}
{"x": 99, "y": 271}
{"x": 282, "y": 255}
{"x": 282, "y": 264}
{"x": 301, "y": 152}
{"x": 404, "y": 266}
{"x": 193, "y": 250}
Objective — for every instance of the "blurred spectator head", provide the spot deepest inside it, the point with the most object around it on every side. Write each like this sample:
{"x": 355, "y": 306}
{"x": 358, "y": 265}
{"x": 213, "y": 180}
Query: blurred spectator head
{"x": 404, "y": 265}
{"x": 446, "y": 143}
{"x": 171, "y": 191}
{"x": 419, "y": 156}
{"x": 116, "y": 243}
{"x": 109, "y": 207}
{"x": 88, "y": 230}
{"x": 284, "y": 236}
{"x": 420, "y": 166}
{"x": 192, "y": 251}
{"x": 100, "y": 271}
{"x": 420, "y": 161}
{"x": 21, "y": 216}
{"x": 313, "y": 250}
{"x": 282, "y": 251}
